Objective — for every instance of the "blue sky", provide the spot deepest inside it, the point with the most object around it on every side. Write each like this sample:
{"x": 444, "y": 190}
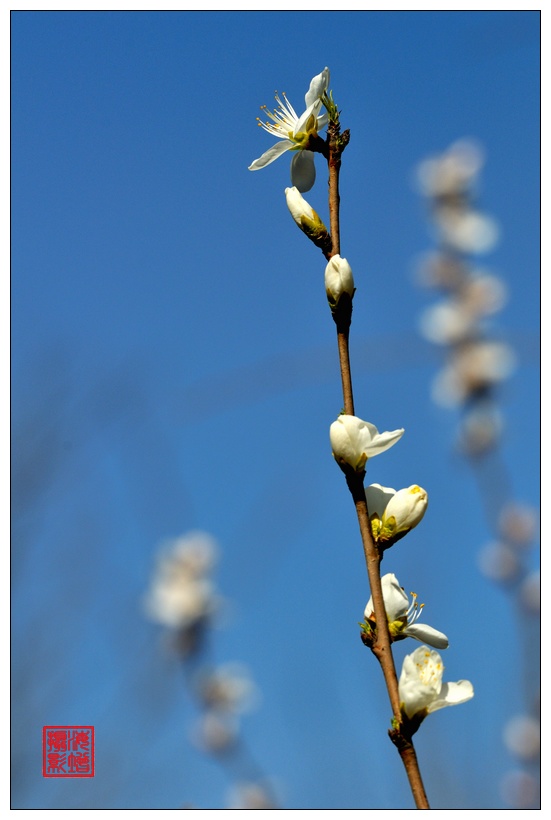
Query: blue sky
{"x": 174, "y": 368}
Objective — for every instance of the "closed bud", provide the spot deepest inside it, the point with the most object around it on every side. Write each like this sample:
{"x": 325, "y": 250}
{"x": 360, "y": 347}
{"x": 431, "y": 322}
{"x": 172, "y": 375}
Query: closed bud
{"x": 307, "y": 219}
{"x": 338, "y": 279}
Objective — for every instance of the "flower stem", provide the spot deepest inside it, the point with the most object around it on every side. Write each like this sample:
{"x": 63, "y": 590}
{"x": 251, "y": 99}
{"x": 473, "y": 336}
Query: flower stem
{"x": 381, "y": 646}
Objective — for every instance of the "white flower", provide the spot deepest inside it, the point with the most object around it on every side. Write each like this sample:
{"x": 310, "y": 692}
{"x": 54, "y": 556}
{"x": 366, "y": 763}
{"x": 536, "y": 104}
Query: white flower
{"x": 228, "y": 688}
{"x": 402, "y": 615}
{"x": 452, "y": 172}
{"x": 467, "y": 231}
{"x": 522, "y": 736}
{"x": 393, "y": 514}
{"x": 338, "y": 279}
{"x": 181, "y": 593}
{"x": 354, "y": 441}
{"x": 421, "y": 688}
{"x": 474, "y": 367}
{"x": 455, "y": 320}
{"x": 294, "y": 132}
{"x": 179, "y": 604}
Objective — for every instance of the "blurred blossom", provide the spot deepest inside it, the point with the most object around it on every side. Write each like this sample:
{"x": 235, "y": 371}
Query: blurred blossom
{"x": 228, "y": 688}
{"x": 181, "y": 594}
{"x": 484, "y": 294}
{"x": 447, "y": 323}
{"x": 439, "y": 270}
{"x": 250, "y": 796}
{"x": 473, "y": 367}
{"x": 215, "y": 732}
{"x": 480, "y": 429}
{"x": 457, "y": 318}
{"x": 499, "y": 563}
{"x": 530, "y": 593}
{"x": 522, "y": 737}
{"x": 453, "y": 172}
{"x": 520, "y": 790}
{"x": 467, "y": 231}
{"x": 518, "y": 524}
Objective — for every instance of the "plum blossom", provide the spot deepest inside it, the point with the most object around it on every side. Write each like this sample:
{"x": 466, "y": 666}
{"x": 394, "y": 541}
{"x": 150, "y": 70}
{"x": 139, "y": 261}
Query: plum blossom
{"x": 421, "y": 688}
{"x": 393, "y": 514}
{"x": 402, "y": 616}
{"x": 354, "y": 441}
{"x": 338, "y": 279}
{"x": 294, "y": 132}
{"x": 182, "y": 593}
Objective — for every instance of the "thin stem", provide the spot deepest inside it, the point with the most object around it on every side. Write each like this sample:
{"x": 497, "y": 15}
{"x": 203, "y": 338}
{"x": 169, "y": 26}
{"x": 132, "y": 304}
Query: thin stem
{"x": 381, "y": 646}
{"x": 346, "y": 374}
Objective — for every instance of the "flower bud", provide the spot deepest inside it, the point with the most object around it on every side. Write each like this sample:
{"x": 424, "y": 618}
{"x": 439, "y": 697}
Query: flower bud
{"x": 393, "y": 514}
{"x": 338, "y": 279}
{"x": 307, "y": 219}
{"x": 353, "y": 441}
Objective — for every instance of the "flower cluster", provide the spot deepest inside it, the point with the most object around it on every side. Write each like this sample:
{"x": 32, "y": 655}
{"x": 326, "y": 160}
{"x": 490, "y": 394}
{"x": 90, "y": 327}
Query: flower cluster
{"x": 475, "y": 364}
{"x": 183, "y": 598}
{"x": 393, "y": 514}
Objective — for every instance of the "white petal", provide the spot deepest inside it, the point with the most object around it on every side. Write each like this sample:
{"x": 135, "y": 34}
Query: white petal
{"x": 396, "y": 600}
{"x": 322, "y": 122}
{"x": 303, "y": 171}
{"x": 383, "y": 441}
{"x": 308, "y": 119}
{"x": 318, "y": 86}
{"x": 377, "y": 498}
{"x": 426, "y": 634}
{"x": 451, "y": 694}
{"x": 271, "y": 154}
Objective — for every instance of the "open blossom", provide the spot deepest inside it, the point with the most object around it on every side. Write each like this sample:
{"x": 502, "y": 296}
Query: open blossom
{"x": 354, "y": 441}
{"x": 421, "y": 688}
{"x": 402, "y": 616}
{"x": 338, "y": 279}
{"x": 294, "y": 132}
{"x": 393, "y": 514}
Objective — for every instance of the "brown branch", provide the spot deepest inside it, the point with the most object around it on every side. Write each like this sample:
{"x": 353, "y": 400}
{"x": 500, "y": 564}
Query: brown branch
{"x": 381, "y": 645}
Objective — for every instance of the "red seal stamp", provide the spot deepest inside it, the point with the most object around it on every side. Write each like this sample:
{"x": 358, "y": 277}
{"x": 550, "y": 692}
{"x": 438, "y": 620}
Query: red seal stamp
{"x": 68, "y": 751}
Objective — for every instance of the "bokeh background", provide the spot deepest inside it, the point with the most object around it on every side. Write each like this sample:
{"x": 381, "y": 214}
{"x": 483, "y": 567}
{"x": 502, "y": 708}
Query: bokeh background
{"x": 174, "y": 368}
